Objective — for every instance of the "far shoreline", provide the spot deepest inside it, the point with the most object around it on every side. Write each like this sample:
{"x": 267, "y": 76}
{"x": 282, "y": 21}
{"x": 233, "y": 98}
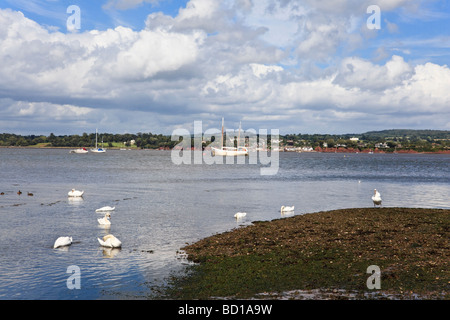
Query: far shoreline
{"x": 339, "y": 151}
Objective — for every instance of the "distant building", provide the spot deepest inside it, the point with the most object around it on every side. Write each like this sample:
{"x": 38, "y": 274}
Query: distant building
{"x": 381, "y": 145}
{"x": 354, "y": 139}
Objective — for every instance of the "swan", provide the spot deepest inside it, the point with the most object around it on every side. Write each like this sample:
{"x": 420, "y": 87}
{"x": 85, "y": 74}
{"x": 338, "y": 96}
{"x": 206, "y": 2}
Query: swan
{"x": 75, "y": 193}
{"x": 376, "y": 198}
{"x": 286, "y": 209}
{"x": 107, "y": 208}
{"x": 105, "y": 220}
{"x": 239, "y": 215}
{"x": 110, "y": 241}
{"x": 62, "y": 242}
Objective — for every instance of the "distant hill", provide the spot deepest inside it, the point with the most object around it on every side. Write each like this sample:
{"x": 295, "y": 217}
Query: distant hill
{"x": 408, "y": 133}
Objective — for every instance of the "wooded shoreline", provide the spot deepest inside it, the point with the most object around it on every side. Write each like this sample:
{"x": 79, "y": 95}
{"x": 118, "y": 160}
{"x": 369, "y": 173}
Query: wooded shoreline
{"x": 386, "y": 141}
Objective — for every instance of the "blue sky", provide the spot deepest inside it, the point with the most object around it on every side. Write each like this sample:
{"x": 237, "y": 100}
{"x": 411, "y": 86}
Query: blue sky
{"x": 96, "y": 15}
{"x": 157, "y": 65}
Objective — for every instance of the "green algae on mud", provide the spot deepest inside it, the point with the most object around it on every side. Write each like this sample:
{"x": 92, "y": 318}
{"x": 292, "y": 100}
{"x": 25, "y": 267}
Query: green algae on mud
{"x": 324, "y": 251}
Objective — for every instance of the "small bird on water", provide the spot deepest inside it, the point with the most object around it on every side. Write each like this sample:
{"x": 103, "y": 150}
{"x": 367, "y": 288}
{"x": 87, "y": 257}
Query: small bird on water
{"x": 19, "y": 192}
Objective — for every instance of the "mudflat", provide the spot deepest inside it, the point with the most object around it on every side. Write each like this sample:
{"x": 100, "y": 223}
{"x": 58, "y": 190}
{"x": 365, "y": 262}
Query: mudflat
{"x": 325, "y": 255}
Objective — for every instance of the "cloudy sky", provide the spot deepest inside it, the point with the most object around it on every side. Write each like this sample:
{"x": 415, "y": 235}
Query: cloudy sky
{"x": 156, "y": 65}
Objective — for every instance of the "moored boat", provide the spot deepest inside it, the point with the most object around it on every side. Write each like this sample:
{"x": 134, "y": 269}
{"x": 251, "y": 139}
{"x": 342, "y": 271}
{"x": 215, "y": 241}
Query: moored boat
{"x": 230, "y": 151}
{"x": 98, "y": 149}
{"x": 79, "y": 151}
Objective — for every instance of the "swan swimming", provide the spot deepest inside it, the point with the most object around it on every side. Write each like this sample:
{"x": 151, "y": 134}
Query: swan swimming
{"x": 62, "y": 242}
{"x": 107, "y": 208}
{"x": 376, "y": 198}
{"x": 105, "y": 220}
{"x": 287, "y": 209}
{"x": 240, "y": 215}
{"x": 110, "y": 241}
{"x": 75, "y": 193}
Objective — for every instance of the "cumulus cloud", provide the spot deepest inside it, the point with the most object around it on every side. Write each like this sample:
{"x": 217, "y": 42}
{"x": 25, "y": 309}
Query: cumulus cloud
{"x": 91, "y": 64}
{"x": 355, "y": 72}
{"x": 252, "y": 60}
{"x": 154, "y": 52}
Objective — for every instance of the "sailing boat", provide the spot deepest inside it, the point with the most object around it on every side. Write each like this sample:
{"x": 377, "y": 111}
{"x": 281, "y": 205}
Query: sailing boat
{"x": 230, "y": 151}
{"x": 97, "y": 149}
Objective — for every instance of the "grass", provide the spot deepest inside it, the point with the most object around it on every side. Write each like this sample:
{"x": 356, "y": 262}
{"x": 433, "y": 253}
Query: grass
{"x": 329, "y": 251}
{"x": 119, "y": 145}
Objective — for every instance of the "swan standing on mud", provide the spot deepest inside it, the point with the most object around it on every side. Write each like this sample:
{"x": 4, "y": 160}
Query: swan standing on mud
{"x": 376, "y": 198}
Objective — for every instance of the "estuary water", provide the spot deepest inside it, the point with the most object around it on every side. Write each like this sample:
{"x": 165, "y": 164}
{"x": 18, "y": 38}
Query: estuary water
{"x": 161, "y": 206}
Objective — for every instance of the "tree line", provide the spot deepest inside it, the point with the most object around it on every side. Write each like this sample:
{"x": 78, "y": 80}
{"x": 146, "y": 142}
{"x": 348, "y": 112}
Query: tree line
{"x": 139, "y": 140}
{"x": 390, "y": 140}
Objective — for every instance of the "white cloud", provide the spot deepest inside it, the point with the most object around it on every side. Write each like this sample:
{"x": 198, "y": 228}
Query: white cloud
{"x": 425, "y": 91}
{"x": 154, "y": 52}
{"x": 42, "y": 109}
{"x": 216, "y": 59}
{"x": 261, "y": 70}
{"x": 359, "y": 73}
{"x": 58, "y": 64}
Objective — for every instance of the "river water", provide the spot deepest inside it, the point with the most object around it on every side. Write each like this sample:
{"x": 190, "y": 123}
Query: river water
{"x": 161, "y": 206}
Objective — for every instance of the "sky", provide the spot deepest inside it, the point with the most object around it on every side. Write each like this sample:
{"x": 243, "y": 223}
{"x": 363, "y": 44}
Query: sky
{"x": 303, "y": 66}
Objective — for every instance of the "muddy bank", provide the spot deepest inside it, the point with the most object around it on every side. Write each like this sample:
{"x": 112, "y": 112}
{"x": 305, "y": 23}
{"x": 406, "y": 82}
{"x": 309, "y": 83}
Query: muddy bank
{"x": 327, "y": 251}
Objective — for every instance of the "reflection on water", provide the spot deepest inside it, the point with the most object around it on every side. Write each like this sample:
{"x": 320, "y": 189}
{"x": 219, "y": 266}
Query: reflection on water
{"x": 160, "y": 207}
{"x": 110, "y": 252}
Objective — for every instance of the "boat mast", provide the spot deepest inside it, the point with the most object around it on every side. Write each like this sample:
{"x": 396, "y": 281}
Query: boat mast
{"x": 239, "y": 136}
{"x": 221, "y": 144}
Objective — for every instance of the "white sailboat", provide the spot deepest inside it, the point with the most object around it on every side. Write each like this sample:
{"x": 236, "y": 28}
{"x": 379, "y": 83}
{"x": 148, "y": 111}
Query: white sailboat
{"x": 230, "y": 151}
{"x": 97, "y": 149}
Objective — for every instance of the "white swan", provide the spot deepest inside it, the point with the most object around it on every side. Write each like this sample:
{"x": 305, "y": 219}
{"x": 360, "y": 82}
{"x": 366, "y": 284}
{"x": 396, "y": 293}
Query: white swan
{"x": 287, "y": 209}
{"x": 110, "y": 241}
{"x": 62, "y": 242}
{"x": 240, "y": 215}
{"x": 105, "y": 221}
{"x": 75, "y": 193}
{"x": 107, "y": 208}
{"x": 376, "y": 198}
